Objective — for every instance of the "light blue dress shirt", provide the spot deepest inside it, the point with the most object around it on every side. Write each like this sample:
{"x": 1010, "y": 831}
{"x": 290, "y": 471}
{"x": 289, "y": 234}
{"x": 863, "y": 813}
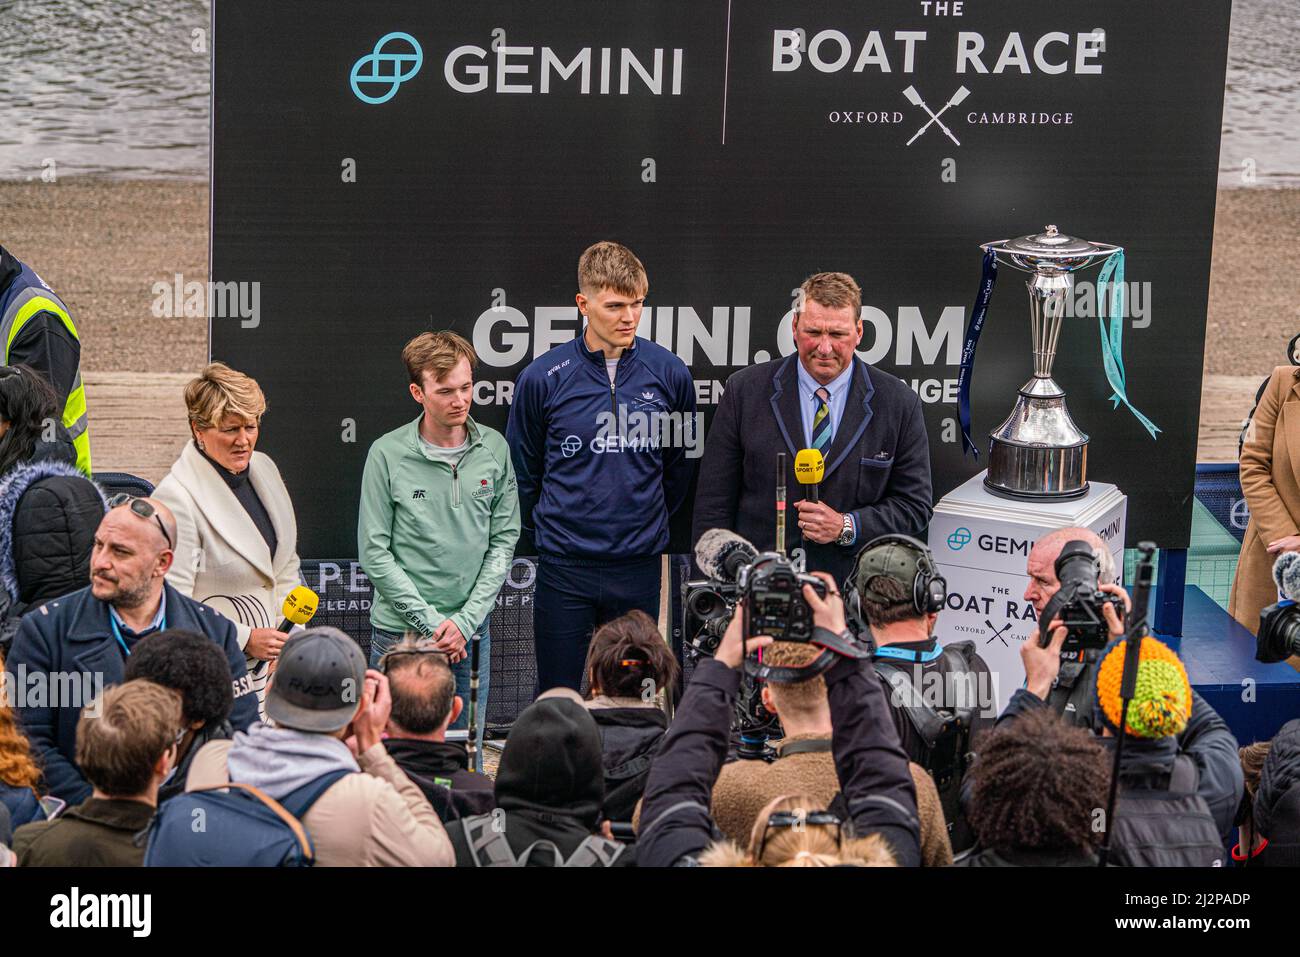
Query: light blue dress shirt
{"x": 839, "y": 398}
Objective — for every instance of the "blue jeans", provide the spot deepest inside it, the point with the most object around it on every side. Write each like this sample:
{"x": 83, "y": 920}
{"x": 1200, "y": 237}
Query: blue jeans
{"x": 381, "y": 641}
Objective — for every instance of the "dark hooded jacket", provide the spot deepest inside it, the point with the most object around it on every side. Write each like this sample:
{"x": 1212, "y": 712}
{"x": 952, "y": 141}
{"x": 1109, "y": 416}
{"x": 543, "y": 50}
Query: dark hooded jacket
{"x": 551, "y": 783}
{"x": 1148, "y": 764}
{"x": 48, "y": 515}
{"x": 1277, "y": 801}
{"x": 441, "y": 770}
{"x": 629, "y": 740}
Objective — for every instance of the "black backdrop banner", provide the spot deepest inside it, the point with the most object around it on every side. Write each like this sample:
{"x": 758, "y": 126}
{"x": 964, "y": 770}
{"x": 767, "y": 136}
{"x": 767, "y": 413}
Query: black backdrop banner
{"x": 382, "y": 169}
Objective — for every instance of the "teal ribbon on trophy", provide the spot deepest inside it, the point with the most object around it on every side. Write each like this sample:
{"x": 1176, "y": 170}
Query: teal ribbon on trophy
{"x": 1112, "y": 357}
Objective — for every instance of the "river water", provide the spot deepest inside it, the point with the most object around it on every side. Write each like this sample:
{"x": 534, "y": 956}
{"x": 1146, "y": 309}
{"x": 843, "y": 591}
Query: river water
{"x": 121, "y": 89}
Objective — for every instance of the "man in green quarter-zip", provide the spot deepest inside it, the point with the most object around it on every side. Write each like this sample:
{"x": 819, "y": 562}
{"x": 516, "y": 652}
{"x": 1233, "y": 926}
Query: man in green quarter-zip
{"x": 439, "y": 516}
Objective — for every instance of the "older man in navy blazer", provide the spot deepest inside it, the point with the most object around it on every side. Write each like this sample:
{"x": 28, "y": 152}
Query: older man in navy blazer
{"x": 867, "y": 424}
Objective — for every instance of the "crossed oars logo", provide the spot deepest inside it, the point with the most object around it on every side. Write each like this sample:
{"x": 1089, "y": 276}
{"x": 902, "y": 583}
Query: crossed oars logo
{"x": 914, "y": 98}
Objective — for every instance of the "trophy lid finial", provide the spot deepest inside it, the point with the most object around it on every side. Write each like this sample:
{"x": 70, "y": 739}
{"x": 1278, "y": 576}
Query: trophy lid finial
{"x": 1051, "y": 229}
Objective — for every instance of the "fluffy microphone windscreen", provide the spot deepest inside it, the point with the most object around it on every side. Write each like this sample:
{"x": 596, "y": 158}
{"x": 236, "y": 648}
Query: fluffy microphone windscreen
{"x": 1286, "y": 572}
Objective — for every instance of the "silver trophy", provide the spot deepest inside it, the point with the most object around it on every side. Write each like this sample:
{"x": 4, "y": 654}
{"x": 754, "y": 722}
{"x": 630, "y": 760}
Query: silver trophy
{"x": 1038, "y": 453}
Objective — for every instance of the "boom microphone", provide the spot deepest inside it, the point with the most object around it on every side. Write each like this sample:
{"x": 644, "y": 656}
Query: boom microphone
{"x": 299, "y": 607}
{"x": 809, "y": 467}
{"x": 1286, "y": 573}
{"x": 721, "y": 554}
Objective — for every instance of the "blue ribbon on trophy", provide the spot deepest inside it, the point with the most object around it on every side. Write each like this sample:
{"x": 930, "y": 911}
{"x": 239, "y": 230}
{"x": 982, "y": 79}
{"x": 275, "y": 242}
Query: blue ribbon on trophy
{"x": 987, "y": 279}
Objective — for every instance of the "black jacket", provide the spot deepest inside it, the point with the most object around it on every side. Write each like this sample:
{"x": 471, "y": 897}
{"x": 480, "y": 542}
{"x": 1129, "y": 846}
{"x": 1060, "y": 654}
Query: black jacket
{"x": 878, "y": 465}
{"x": 1277, "y": 801}
{"x": 975, "y": 691}
{"x": 70, "y": 638}
{"x": 629, "y": 740}
{"x": 550, "y": 782}
{"x": 1024, "y": 857}
{"x": 441, "y": 770}
{"x": 875, "y": 781}
{"x": 49, "y": 512}
{"x": 1206, "y": 740}
{"x": 44, "y": 342}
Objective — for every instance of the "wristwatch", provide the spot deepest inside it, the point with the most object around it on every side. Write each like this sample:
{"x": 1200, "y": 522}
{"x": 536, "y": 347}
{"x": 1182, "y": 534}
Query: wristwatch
{"x": 847, "y": 534}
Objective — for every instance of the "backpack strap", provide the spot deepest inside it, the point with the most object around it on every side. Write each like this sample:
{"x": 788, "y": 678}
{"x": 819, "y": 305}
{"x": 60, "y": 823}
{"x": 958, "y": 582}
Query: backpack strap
{"x": 489, "y": 848}
{"x": 928, "y": 723}
{"x": 595, "y": 851}
{"x": 546, "y": 845}
{"x": 291, "y": 822}
{"x": 299, "y": 802}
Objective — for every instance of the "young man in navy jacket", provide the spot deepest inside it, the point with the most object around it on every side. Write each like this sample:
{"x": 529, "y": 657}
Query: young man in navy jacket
{"x": 602, "y": 432}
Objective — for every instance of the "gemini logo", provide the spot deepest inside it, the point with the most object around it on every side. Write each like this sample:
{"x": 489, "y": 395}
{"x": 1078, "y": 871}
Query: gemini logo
{"x": 387, "y": 64}
{"x": 959, "y": 539}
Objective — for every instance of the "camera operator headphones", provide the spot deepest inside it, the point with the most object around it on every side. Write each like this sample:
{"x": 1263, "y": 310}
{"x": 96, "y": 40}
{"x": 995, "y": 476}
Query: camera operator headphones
{"x": 904, "y": 559}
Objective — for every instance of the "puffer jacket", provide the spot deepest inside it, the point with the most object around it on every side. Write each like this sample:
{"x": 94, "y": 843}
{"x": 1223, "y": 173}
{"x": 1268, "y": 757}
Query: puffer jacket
{"x": 1277, "y": 801}
{"x": 48, "y": 515}
{"x": 629, "y": 740}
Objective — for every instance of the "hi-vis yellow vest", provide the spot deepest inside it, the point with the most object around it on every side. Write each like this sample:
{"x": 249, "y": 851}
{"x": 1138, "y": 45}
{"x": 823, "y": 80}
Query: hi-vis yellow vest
{"x": 21, "y": 308}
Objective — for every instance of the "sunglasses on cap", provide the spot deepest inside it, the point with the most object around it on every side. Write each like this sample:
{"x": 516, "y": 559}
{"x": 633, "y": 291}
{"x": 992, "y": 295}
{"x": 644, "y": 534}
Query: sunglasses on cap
{"x": 142, "y": 508}
{"x": 783, "y": 819}
{"x": 423, "y": 646}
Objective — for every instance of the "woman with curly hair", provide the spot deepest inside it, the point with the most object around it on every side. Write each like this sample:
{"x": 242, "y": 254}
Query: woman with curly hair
{"x": 19, "y": 775}
{"x": 1035, "y": 793}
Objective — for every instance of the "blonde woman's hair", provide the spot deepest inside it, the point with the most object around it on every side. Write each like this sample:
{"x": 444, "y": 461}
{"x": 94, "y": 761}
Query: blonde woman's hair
{"x": 813, "y": 845}
{"x": 220, "y": 391}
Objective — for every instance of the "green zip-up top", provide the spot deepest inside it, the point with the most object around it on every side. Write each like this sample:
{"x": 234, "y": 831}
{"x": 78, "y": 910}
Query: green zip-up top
{"x": 437, "y": 540}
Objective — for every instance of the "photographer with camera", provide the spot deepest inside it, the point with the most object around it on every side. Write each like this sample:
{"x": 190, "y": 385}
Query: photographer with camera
{"x": 803, "y": 762}
{"x": 940, "y": 696}
{"x": 876, "y": 790}
{"x": 1082, "y": 557}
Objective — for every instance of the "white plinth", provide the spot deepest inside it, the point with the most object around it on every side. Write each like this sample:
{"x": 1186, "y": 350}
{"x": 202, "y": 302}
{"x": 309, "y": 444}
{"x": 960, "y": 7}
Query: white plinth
{"x": 981, "y": 543}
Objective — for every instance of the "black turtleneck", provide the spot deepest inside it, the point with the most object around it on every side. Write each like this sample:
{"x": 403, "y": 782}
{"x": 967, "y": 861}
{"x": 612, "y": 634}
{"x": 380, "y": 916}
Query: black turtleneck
{"x": 243, "y": 488}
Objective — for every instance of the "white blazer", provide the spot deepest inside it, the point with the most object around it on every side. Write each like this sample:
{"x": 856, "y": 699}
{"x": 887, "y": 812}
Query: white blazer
{"x": 221, "y": 559}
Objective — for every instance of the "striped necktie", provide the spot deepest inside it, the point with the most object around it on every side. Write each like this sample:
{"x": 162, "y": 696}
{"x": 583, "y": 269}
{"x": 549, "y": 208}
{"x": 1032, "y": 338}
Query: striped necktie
{"x": 821, "y": 427}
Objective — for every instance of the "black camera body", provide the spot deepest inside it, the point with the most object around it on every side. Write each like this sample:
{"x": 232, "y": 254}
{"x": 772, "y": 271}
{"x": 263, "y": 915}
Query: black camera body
{"x": 1079, "y": 602}
{"x": 773, "y": 593}
{"x": 1279, "y": 632}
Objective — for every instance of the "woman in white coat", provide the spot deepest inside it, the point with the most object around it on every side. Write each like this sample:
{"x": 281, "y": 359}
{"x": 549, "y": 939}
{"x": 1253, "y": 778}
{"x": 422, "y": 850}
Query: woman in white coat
{"x": 237, "y": 539}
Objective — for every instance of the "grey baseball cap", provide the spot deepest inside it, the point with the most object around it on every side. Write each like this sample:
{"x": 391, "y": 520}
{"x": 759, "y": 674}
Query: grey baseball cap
{"x": 318, "y": 681}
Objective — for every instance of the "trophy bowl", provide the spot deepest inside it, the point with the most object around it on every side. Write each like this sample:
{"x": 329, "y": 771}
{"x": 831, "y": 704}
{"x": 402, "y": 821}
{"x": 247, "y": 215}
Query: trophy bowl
{"x": 1038, "y": 453}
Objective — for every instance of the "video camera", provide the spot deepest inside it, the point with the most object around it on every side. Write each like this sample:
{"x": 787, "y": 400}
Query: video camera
{"x": 1079, "y": 602}
{"x": 770, "y": 584}
{"x": 1279, "y": 624}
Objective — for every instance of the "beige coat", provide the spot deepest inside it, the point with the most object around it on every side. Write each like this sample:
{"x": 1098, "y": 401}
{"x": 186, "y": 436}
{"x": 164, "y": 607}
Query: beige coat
{"x": 746, "y": 787}
{"x": 374, "y": 819}
{"x": 1270, "y": 462}
{"x": 221, "y": 558}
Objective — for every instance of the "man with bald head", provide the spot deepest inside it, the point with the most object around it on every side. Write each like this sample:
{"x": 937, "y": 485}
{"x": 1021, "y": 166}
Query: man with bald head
{"x": 1070, "y": 691}
{"x": 68, "y": 650}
